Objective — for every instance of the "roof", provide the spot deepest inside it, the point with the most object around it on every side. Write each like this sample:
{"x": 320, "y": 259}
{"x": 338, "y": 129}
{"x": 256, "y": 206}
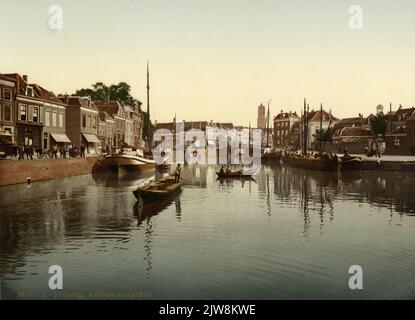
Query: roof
{"x": 403, "y": 114}
{"x": 355, "y": 132}
{"x": 286, "y": 115}
{"x": 38, "y": 91}
{"x": 399, "y": 130}
{"x": 317, "y": 115}
{"x": 103, "y": 115}
{"x": 77, "y": 101}
{"x": 111, "y": 107}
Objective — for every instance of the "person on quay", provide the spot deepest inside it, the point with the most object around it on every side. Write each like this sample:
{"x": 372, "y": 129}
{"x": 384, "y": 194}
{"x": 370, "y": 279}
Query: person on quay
{"x": 177, "y": 173}
{"x": 228, "y": 170}
{"x": 21, "y": 151}
{"x": 29, "y": 152}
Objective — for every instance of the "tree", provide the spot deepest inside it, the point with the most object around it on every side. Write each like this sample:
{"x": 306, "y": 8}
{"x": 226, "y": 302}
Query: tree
{"x": 325, "y": 135}
{"x": 115, "y": 92}
{"x": 379, "y": 124}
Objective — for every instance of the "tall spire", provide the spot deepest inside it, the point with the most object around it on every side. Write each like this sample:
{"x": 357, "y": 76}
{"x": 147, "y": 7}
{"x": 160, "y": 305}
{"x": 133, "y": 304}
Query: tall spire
{"x": 148, "y": 106}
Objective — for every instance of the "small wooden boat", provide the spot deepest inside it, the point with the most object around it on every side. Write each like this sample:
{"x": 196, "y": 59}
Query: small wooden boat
{"x": 235, "y": 174}
{"x": 161, "y": 189}
{"x": 350, "y": 163}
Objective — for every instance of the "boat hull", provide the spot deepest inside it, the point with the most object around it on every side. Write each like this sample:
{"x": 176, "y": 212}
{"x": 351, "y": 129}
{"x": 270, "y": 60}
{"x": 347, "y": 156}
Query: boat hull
{"x": 161, "y": 190}
{"x": 313, "y": 163}
{"x": 352, "y": 163}
{"x": 128, "y": 163}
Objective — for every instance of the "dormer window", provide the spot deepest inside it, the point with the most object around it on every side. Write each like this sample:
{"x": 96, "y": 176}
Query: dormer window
{"x": 29, "y": 91}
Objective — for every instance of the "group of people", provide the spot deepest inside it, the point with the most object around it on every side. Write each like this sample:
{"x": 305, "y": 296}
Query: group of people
{"x": 24, "y": 150}
{"x": 222, "y": 170}
{"x": 29, "y": 150}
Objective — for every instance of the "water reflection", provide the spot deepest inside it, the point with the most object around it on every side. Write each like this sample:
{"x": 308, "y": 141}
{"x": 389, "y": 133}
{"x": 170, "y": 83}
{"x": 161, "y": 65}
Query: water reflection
{"x": 98, "y": 214}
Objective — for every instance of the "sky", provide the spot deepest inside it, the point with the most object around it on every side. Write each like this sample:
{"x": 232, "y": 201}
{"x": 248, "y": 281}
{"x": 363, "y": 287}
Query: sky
{"x": 218, "y": 60}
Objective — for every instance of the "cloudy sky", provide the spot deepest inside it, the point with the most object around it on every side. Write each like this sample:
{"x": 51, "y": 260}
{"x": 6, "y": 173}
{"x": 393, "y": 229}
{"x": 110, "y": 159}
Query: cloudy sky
{"x": 217, "y": 60}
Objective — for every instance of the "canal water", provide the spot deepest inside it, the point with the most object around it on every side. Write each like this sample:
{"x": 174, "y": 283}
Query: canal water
{"x": 289, "y": 233}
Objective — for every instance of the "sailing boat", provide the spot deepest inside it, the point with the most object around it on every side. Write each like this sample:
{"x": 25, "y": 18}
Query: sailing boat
{"x": 321, "y": 161}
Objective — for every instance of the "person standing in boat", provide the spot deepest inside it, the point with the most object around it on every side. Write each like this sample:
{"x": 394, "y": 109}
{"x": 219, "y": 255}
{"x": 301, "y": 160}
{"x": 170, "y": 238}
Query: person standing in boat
{"x": 221, "y": 171}
{"x": 177, "y": 173}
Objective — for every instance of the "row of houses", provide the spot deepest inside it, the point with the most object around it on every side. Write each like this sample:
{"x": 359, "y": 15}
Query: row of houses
{"x": 354, "y": 133}
{"x": 32, "y": 115}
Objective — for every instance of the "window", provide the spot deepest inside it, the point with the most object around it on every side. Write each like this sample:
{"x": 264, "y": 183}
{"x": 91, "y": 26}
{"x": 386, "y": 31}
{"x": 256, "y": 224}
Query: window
{"x": 7, "y": 94}
{"x": 94, "y": 122}
{"x": 23, "y": 112}
{"x": 29, "y": 91}
{"x": 88, "y": 121}
{"x": 7, "y": 113}
{"x": 61, "y": 120}
{"x": 35, "y": 115}
{"x": 83, "y": 121}
{"x": 54, "y": 119}
{"x": 47, "y": 118}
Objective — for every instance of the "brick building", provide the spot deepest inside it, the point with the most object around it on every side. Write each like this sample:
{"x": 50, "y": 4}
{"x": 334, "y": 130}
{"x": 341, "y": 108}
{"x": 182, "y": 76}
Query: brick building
{"x": 261, "y": 120}
{"x": 82, "y": 122}
{"x": 116, "y": 110}
{"x": 7, "y": 109}
{"x": 283, "y": 123}
{"x": 106, "y": 129}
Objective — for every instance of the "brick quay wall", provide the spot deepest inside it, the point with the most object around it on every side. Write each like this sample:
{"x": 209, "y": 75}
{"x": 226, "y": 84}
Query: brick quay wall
{"x": 17, "y": 171}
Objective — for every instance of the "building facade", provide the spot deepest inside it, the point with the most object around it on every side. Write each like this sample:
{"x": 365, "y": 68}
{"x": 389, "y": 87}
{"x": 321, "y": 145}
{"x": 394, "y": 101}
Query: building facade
{"x": 283, "y": 123}
{"x": 82, "y": 122}
{"x": 7, "y": 110}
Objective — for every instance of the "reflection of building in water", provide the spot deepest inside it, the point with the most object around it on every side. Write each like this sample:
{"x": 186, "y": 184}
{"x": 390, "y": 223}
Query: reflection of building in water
{"x": 195, "y": 175}
{"x": 69, "y": 209}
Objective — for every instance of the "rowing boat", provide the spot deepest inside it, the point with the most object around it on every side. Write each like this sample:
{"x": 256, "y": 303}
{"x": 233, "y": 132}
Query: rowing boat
{"x": 236, "y": 174}
{"x": 158, "y": 190}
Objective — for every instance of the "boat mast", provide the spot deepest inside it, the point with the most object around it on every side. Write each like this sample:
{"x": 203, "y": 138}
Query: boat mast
{"x": 305, "y": 128}
{"x": 321, "y": 124}
{"x": 148, "y": 108}
{"x": 268, "y": 123}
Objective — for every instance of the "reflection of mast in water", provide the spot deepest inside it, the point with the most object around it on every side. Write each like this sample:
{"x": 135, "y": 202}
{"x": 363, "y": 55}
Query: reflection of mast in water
{"x": 321, "y": 209}
{"x": 178, "y": 209}
{"x": 268, "y": 197}
{"x": 147, "y": 245}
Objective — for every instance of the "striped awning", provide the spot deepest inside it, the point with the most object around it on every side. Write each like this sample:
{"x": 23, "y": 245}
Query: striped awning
{"x": 91, "y": 138}
{"x": 60, "y": 137}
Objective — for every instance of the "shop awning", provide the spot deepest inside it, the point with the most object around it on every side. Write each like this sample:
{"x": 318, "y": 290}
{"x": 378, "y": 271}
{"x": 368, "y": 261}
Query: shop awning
{"x": 91, "y": 138}
{"x": 60, "y": 137}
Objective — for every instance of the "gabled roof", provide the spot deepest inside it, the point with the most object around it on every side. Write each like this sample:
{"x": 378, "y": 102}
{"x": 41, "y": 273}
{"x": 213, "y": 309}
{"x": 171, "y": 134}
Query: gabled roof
{"x": 286, "y": 115}
{"x": 403, "y": 114}
{"x": 111, "y": 107}
{"x": 45, "y": 94}
{"x": 317, "y": 115}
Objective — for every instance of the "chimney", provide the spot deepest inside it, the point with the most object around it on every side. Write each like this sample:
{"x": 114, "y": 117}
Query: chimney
{"x": 25, "y": 77}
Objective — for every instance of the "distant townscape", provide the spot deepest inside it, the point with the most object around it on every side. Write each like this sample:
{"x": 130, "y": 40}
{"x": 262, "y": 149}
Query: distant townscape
{"x": 31, "y": 115}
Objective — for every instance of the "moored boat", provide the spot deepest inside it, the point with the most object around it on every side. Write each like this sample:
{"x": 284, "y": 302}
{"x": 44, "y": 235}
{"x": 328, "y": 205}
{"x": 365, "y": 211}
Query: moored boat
{"x": 161, "y": 189}
{"x": 350, "y": 163}
{"x": 313, "y": 163}
{"x": 128, "y": 161}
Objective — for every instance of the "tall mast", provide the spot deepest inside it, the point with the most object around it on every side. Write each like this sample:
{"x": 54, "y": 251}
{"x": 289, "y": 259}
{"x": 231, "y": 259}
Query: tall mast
{"x": 321, "y": 123}
{"x": 148, "y": 107}
{"x": 305, "y": 128}
{"x": 268, "y": 123}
